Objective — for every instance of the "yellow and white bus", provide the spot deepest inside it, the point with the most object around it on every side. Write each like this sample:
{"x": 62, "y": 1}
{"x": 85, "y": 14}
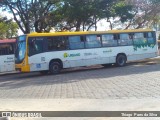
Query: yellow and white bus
{"x": 51, "y": 52}
{"x": 7, "y": 59}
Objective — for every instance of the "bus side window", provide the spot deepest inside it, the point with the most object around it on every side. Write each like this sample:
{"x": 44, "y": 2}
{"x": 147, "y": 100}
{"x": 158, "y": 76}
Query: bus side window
{"x": 35, "y": 46}
{"x": 63, "y": 43}
{"x": 76, "y": 42}
{"x": 2, "y": 50}
{"x": 125, "y": 39}
{"x": 93, "y": 41}
{"x": 131, "y": 35}
{"x": 145, "y": 35}
{"x": 6, "y": 49}
{"x": 57, "y": 43}
{"x": 150, "y": 38}
{"x": 108, "y": 40}
{"x": 11, "y": 48}
{"x": 116, "y": 38}
{"x": 139, "y": 39}
{"x": 50, "y": 44}
{"x": 150, "y": 34}
{"x": 31, "y": 45}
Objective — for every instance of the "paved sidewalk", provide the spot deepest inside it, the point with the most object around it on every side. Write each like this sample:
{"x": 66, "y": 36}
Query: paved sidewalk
{"x": 138, "y": 81}
{"x": 80, "y": 104}
{"x": 135, "y": 87}
{"x": 147, "y": 104}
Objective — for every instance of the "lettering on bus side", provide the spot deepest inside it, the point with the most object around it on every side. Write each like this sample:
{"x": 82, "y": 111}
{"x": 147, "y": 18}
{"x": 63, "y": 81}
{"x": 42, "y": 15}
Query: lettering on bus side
{"x": 43, "y": 59}
{"x": 12, "y": 61}
{"x": 87, "y": 54}
{"x": 107, "y": 51}
{"x": 90, "y": 54}
{"x": 71, "y": 55}
{"x": 9, "y": 60}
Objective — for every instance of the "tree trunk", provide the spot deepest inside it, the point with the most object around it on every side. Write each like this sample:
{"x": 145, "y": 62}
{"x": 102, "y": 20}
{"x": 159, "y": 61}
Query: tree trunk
{"x": 90, "y": 26}
{"x": 78, "y": 26}
{"x": 95, "y": 25}
{"x": 38, "y": 26}
{"x": 129, "y": 24}
{"x": 111, "y": 27}
{"x": 140, "y": 24}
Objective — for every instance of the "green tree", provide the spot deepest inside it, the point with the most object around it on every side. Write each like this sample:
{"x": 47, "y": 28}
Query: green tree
{"x": 83, "y": 14}
{"x": 146, "y": 12}
{"x": 43, "y": 15}
{"x": 30, "y": 15}
{"x": 8, "y": 28}
{"x": 119, "y": 14}
{"x": 12, "y": 29}
{"x": 74, "y": 13}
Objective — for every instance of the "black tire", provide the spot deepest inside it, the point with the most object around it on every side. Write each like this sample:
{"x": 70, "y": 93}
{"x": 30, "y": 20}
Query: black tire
{"x": 44, "y": 72}
{"x": 55, "y": 67}
{"x": 121, "y": 60}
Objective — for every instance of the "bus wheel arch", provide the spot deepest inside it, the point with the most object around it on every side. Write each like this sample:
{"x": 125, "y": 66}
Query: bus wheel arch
{"x": 55, "y": 66}
{"x": 121, "y": 59}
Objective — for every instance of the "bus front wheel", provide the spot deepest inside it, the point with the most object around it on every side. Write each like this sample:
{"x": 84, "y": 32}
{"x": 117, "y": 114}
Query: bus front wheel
{"x": 121, "y": 60}
{"x": 55, "y": 67}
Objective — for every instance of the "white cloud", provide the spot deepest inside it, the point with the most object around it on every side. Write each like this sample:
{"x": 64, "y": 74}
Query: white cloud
{"x": 6, "y": 14}
{"x": 103, "y": 25}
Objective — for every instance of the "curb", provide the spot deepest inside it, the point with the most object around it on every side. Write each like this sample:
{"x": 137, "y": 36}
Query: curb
{"x": 9, "y": 73}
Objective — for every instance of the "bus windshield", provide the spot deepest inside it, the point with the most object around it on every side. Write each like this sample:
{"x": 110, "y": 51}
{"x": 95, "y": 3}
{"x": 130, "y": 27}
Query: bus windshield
{"x": 20, "y": 49}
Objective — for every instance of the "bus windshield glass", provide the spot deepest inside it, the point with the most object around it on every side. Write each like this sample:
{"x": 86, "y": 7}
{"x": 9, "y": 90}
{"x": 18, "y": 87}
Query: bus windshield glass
{"x": 20, "y": 49}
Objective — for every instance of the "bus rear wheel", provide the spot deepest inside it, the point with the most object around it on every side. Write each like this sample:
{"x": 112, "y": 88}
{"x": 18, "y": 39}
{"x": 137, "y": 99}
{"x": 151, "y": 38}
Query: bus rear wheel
{"x": 121, "y": 60}
{"x": 55, "y": 67}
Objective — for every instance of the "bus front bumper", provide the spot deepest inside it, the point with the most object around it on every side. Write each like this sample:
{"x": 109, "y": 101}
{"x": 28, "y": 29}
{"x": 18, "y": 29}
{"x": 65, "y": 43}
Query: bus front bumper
{"x": 21, "y": 68}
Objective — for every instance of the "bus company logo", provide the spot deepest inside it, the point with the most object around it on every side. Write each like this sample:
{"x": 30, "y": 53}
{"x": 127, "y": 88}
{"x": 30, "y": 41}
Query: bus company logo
{"x": 71, "y": 55}
{"x": 65, "y": 55}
